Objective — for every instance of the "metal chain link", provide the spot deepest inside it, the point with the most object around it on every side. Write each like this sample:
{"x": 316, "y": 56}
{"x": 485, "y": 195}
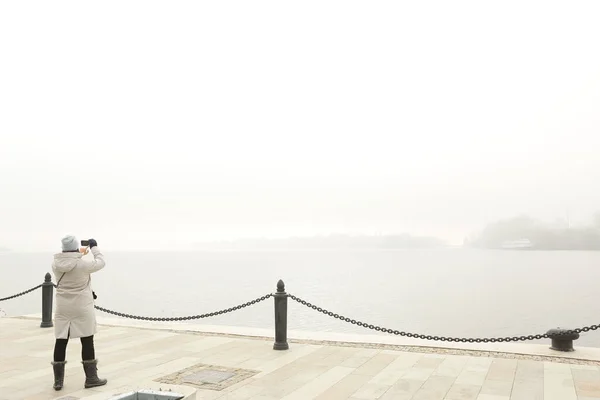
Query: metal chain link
{"x": 442, "y": 338}
{"x": 22, "y": 293}
{"x": 188, "y": 318}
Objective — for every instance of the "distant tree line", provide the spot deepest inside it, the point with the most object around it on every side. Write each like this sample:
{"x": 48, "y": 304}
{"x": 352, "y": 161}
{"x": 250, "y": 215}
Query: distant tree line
{"x": 542, "y": 236}
{"x": 404, "y": 241}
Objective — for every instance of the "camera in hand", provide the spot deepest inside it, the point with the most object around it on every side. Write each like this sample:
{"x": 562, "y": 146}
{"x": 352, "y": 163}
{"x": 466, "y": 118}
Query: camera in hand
{"x": 85, "y": 243}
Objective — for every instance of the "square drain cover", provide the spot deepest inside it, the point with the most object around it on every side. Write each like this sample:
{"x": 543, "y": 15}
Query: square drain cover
{"x": 208, "y": 376}
{"x": 204, "y": 376}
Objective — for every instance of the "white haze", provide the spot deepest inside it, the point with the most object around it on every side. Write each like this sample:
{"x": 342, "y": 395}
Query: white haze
{"x": 153, "y": 125}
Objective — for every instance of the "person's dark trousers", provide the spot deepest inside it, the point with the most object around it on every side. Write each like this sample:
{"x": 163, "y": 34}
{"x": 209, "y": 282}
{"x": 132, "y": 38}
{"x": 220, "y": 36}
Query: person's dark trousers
{"x": 87, "y": 349}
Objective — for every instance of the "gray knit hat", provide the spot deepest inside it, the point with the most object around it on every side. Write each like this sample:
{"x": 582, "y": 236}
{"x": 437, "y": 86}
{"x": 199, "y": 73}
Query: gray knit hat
{"x": 69, "y": 243}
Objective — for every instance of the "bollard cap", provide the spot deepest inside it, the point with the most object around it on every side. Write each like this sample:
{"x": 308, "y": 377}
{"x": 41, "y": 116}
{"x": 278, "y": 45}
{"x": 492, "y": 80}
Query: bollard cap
{"x": 562, "y": 334}
{"x": 280, "y": 286}
{"x": 48, "y": 277}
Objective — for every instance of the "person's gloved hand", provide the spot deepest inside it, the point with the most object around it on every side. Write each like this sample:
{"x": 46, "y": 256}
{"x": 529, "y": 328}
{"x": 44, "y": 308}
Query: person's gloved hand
{"x": 93, "y": 243}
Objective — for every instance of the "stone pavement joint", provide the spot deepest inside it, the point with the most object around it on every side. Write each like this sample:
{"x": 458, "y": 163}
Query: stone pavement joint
{"x": 244, "y": 368}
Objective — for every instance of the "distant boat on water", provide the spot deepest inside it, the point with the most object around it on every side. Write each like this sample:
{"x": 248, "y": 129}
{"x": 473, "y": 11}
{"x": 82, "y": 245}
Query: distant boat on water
{"x": 520, "y": 244}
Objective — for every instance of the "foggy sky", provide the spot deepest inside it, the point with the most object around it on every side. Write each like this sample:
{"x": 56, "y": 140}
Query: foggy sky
{"x": 152, "y": 125}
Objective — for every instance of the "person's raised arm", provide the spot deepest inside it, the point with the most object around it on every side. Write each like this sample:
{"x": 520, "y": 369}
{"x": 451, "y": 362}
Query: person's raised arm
{"x": 98, "y": 263}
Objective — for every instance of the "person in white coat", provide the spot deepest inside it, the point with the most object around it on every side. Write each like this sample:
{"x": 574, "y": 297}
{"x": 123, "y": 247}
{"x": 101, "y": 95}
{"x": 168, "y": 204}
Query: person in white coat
{"x": 75, "y": 316}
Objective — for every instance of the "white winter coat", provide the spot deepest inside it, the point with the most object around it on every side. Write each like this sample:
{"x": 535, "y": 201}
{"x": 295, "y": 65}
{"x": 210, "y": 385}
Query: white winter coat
{"x": 75, "y": 316}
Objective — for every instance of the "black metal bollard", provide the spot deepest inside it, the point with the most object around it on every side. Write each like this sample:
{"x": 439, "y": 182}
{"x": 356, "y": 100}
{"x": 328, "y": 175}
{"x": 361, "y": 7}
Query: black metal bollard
{"x": 47, "y": 296}
{"x": 562, "y": 339}
{"x": 280, "y": 317}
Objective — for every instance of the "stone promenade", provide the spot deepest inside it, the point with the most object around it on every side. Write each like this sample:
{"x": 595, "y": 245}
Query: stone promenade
{"x": 243, "y": 368}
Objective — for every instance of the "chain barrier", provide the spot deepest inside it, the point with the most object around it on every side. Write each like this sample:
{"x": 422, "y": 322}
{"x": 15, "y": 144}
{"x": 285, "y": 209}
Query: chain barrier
{"x": 341, "y": 318}
{"x": 21, "y": 294}
{"x": 188, "y": 318}
{"x": 442, "y": 338}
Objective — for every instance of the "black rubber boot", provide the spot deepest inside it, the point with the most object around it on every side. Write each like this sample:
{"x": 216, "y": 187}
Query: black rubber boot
{"x": 59, "y": 374}
{"x": 91, "y": 374}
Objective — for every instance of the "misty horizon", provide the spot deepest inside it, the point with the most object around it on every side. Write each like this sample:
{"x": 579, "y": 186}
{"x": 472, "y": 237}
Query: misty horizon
{"x": 202, "y": 122}
{"x": 557, "y": 223}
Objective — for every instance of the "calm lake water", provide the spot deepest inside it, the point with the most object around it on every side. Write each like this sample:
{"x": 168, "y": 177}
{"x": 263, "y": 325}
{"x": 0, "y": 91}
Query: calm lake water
{"x": 438, "y": 292}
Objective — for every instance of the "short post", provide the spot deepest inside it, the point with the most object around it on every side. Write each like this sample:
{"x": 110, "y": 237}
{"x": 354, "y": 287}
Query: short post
{"x": 562, "y": 339}
{"x": 47, "y": 296}
{"x": 280, "y": 317}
